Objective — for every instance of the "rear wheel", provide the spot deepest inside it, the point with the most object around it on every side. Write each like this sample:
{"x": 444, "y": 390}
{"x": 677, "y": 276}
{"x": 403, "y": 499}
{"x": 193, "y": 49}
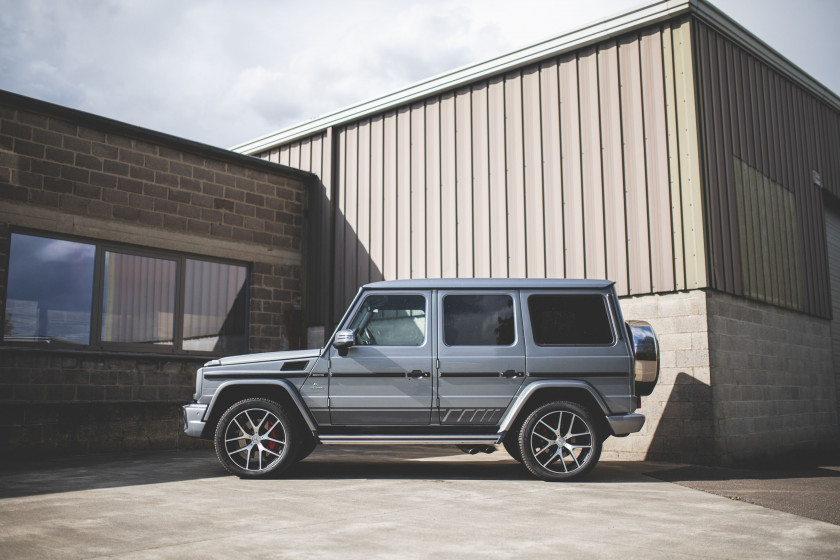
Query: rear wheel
{"x": 559, "y": 441}
{"x": 256, "y": 438}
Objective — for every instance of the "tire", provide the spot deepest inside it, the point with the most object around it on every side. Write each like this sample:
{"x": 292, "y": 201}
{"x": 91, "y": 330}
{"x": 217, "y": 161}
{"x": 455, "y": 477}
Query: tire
{"x": 511, "y": 443}
{"x": 256, "y": 438}
{"x": 559, "y": 441}
{"x": 307, "y": 446}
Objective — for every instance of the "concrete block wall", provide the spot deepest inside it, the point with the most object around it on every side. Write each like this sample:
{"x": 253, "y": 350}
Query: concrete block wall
{"x": 679, "y": 423}
{"x": 773, "y": 382}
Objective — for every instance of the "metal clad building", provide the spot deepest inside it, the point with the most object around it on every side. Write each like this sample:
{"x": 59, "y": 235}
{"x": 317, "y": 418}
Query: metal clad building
{"x": 667, "y": 149}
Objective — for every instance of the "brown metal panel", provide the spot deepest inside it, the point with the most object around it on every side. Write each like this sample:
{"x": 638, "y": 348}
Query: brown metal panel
{"x": 418, "y": 191}
{"x": 573, "y": 232}
{"x": 463, "y": 181}
{"x": 377, "y": 199}
{"x": 613, "y": 165}
{"x": 363, "y": 204}
{"x": 590, "y": 162}
{"x": 656, "y": 157}
{"x": 339, "y": 225}
{"x": 389, "y": 197}
{"x": 514, "y": 176}
{"x": 552, "y": 177}
{"x": 403, "y": 192}
{"x": 725, "y": 59}
{"x": 635, "y": 180}
{"x": 817, "y": 213}
{"x": 349, "y": 207}
{"x": 449, "y": 254}
{"x": 433, "y": 186}
{"x": 533, "y": 158}
{"x": 802, "y": 202}
{"x": 481, "y": 182}
{"x": 677, "y": 226}
{"x": 497, "y": 179}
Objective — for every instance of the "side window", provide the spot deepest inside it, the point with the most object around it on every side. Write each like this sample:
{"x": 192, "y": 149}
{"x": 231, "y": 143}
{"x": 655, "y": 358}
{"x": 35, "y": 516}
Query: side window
{"x": 391, "y": 320}
{"x": 478, "y": 320}
{"x": 570, "y": 320}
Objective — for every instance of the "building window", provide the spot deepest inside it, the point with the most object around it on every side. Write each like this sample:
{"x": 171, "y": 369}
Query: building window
{"x": 570, "y": 320}
{"x": 100, "y": 295}
{"x": 478, "y": 320}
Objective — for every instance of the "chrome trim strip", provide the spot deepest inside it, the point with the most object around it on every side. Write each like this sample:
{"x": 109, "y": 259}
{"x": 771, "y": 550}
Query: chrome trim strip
{"x": 409, "y": 440}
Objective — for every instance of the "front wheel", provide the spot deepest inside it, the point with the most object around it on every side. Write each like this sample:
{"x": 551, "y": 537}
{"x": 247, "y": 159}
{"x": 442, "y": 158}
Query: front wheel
{"x": 559, "y": 441}
{"x": 256, "y": 438}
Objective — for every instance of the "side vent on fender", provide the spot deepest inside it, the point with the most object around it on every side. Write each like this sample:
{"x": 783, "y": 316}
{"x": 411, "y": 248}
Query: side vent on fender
{"x": 295, "y": 366}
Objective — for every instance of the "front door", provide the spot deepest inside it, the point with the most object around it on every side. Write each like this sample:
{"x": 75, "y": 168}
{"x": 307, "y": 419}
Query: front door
{"x": 481, "y": 355}
{"x": 385, "y": 378}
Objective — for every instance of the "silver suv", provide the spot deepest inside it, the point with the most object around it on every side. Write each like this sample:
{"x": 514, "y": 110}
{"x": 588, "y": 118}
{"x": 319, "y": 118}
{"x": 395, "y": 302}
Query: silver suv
{"x": 546, "y": 368}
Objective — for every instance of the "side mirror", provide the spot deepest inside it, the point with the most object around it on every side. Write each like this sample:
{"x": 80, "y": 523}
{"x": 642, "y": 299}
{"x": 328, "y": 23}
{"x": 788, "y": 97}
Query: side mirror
{"x": 343, "y": 340}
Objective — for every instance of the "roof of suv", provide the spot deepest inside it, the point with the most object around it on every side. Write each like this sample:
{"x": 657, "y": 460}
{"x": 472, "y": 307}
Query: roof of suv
{"x": 488, "y": 283}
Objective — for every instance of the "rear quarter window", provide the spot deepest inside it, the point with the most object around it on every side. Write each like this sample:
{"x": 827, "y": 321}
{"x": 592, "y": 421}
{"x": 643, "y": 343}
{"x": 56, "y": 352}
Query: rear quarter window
{"x": 570, "y": 320}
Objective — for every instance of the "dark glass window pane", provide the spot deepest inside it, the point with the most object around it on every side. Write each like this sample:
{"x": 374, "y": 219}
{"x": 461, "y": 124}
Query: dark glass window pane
{"x": 570, "y": 320}
{"x": 391, "y": 320}
{"x": 50, "y": 290}
{"x": 139, "y": 299}
{"x": 478, "y": 320}
{"x": 215, "y": 307}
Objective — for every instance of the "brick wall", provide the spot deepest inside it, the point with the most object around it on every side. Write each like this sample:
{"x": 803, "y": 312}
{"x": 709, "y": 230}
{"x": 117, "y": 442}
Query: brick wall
{"x": 71, "y": 173}
{"x": 678, "y": 424}
{"x": 773, "y": 383}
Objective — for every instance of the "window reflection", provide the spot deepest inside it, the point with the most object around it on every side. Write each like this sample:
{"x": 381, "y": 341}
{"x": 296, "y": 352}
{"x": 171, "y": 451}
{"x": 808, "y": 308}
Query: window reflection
{"x": 214, "y": 307}
{"x": 50, "y": 290}
{"x": 478, "y": 320}
{"x": 139, "y": 299}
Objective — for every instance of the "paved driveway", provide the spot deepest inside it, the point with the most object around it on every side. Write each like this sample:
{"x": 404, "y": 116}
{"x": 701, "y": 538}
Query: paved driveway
{"x": 419, "y": 502}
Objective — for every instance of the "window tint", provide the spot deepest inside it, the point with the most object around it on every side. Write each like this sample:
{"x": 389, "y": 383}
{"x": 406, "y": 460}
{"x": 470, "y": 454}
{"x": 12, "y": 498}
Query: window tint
{"x": 391, "y": 320}
{"x": 574, "y": 319}
{"x": 139, "y": 299}
{"x": 50, "y": 290}
{"x": 478, "y": 320}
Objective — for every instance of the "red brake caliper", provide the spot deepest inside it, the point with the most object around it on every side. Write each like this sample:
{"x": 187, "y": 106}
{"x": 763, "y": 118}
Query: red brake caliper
{"x": 272, "y": 434}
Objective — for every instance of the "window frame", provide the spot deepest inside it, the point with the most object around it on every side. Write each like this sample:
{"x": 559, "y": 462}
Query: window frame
{"x": 97, "y": 302}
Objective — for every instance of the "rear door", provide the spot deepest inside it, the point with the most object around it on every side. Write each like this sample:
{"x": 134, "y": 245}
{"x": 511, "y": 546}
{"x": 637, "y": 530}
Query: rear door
{"x": 481, "y": 355}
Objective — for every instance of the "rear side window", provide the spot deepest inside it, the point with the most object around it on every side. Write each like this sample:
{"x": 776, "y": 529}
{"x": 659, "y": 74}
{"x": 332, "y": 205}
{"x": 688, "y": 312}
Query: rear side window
{"x": 570, "y": 320}
{"x": 478, "y": 320}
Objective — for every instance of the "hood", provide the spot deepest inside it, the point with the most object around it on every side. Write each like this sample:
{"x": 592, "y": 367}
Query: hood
{"x": 265, "y": 357}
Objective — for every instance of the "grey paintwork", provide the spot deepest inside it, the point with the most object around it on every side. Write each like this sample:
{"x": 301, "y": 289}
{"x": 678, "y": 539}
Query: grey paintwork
{"x": 432, "y": 384}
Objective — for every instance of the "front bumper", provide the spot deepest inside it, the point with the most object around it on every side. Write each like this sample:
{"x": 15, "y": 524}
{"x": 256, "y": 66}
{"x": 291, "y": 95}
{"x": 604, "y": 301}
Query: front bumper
{"x": 192, "y": 418}
{"x": 623, "y": 424}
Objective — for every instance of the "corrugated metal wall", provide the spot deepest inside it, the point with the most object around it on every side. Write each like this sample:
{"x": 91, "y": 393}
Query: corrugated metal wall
{"x": 761, "y": 129}
{"x": 581, "y": 166}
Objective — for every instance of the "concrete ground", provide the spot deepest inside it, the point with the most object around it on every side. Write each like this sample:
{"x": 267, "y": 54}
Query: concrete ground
{"x": 417, "y": 502}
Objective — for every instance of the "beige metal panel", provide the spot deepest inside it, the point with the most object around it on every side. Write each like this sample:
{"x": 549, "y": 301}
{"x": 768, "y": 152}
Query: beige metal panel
{"x": 463, "y": 182}
{"x": 635, "y": 179}
{"x": 350, "y": 209}
{"x": 534, "y": 186}
{"x": 673, "y": 157}
{"x": 514, "y": 176}
{"x": 363, "y": 204}
{"x": 498, "y": 178}
{"x": 433, "y": 189}
{"x": 573, "y": 233}
{"x": 656, "y": 157}
{"x": 590, "y": 159}
{"x": 481, "y": 182}
{"x": 389, "y": 196}
{"x": 283, "y": 157}
{"x": 403, "y": 148}
{"x": 306, "y": 155}
{"x": 613, "y": 165}
{"x": 418, "y": 191}
{"x": 449, "y": 252}
{"x": 552, "y": 174}
{"x": 377, "y": 199}
{"x": 294, "y": 155}
{"x": 339, "y": 224}
{"x": 689, "y": 158}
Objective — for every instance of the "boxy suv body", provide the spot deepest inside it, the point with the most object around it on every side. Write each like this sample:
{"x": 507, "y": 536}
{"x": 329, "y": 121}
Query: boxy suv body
{"x": 547, "y": 368}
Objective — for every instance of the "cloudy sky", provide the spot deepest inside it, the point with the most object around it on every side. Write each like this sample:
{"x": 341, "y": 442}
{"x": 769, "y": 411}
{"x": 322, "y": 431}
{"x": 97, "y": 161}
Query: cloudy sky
{"x": 223, "y": 71}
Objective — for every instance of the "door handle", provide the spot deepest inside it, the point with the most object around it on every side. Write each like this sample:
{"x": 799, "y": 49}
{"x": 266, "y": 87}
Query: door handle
{"x": 512, "y": 373}
{"x": 417, "y": 374}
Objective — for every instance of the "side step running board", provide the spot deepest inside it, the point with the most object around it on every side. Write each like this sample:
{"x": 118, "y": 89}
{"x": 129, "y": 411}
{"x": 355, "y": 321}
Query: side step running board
{"x": 408, "y": 440}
